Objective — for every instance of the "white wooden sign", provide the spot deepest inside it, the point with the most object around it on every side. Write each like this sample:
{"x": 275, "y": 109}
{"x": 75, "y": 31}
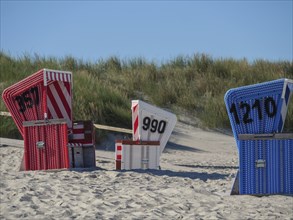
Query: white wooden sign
{"x": 150, "y": 123}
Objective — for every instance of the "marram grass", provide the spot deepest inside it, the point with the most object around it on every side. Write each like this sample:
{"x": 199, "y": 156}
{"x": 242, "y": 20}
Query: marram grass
{"x": 103, "y": 90}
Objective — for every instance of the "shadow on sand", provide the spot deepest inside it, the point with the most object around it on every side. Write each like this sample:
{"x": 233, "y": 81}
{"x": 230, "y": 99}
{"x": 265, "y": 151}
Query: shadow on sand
{"x": 175, "y": 146}
{"x": 207, "y": 167}
{"x": 183, "y": 174}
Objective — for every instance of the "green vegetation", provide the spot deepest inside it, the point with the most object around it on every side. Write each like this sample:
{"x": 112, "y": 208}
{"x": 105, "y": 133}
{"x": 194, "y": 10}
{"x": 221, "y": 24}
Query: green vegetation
{"x": 186, "y": 85}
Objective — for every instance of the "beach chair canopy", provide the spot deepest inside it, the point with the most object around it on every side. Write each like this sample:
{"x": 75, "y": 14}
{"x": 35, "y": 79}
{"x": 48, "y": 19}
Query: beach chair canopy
{"x": 259, "y": 108}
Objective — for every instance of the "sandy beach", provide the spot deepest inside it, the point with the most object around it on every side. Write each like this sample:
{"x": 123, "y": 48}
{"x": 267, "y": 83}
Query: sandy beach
{"x": 195, "y": 180}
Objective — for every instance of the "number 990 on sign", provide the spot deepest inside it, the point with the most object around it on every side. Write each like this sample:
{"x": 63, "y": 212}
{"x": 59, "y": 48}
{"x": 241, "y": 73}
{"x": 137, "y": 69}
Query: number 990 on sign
{"x": 154, "y": 125}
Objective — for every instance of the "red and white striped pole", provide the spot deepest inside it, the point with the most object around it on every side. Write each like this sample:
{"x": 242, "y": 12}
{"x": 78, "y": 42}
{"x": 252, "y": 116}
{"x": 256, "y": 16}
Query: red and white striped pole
{"x": 118, "y": 155}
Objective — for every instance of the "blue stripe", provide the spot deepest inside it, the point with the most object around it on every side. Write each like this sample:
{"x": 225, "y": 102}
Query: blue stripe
{"x": 287, "y": 95}
{"x": 281, "y": 122}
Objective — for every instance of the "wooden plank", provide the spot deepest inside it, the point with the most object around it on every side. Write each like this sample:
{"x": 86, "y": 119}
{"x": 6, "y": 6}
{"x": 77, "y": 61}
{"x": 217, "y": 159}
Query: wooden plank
{"x": 276, "y": 136}
{"x": 110, "y": 128}
{"x": 5, "y": 114}
{"x": 131, "y": 142}
{"x": 11, "y": 142}
{"x": 104, "y": 127}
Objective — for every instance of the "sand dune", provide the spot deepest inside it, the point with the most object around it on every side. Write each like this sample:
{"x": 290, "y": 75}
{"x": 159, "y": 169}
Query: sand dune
{"x": 197, "y": 173}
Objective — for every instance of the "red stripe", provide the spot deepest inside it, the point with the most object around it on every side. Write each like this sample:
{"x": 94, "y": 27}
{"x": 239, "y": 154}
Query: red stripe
{"x": 66, "y": 155}
{"x": 38, "y": 108}
{"x": 54, "y": 76}
{"x": 119, "y": 147}
{"x": 26, "y": 150}
{"x": 78, "y": 131}
{"x": 54, "y": 104}
{"x": 63, "y": 99}
{"x": 134, "y": 108}
{"x": 44, "y": 99}
{"x": 49, "y": 114}
{"x": 68, "y": 87}
{"x": 135, "y": 124}
{"x": 118, "y": 157}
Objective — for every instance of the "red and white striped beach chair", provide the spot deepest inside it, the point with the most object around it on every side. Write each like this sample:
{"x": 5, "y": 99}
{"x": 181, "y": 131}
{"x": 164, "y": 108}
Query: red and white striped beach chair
{"x": 42, "y": 96}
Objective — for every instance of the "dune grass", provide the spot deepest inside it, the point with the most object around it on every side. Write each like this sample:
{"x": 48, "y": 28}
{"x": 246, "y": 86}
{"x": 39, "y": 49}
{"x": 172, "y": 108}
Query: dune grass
{"x": 193, "y": 85}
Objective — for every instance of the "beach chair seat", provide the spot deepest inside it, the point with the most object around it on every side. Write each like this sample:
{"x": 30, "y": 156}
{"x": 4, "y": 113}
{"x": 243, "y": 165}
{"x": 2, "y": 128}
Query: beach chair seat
{"x": 131, "y": 155}
{"x": 45, "y": 145}
{"x": 266, "y": 163}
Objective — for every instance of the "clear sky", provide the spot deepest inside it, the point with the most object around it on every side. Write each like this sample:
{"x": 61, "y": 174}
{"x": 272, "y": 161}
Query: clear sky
{"x": 155, "y": 30}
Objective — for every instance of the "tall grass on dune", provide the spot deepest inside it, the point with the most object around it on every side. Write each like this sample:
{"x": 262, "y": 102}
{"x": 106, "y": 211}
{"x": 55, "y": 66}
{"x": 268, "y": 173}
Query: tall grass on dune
{"x": 193, "y": 85}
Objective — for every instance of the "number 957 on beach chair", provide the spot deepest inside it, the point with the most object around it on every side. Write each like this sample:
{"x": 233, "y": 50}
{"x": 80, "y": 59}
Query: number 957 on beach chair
{"x": 257, "y": 114}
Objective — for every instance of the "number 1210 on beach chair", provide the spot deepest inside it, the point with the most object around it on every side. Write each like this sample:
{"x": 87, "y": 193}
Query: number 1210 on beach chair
{"x": 257, "y": 115}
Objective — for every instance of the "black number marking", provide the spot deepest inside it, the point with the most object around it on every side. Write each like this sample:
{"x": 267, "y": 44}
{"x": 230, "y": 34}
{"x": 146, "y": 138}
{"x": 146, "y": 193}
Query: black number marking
{"x": 154, "y": 125}
{"x": 27, "y": 99}
{"x": 21, "y": 104}
{"x": 162, "y": 127}
{"x": 246, "y": 118}
{"x": 146, "y": 123}
{"x": 234, "y": 112}
{"x": 270, "y": 102}
{"x": 269, "y": 105}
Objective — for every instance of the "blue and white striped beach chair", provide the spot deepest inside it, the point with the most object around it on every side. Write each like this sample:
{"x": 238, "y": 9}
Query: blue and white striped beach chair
{"x": 257, "y": 114}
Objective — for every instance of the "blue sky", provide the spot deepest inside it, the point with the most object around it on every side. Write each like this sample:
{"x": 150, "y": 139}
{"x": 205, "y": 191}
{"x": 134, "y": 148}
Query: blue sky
{"x": 155, "y": 30}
